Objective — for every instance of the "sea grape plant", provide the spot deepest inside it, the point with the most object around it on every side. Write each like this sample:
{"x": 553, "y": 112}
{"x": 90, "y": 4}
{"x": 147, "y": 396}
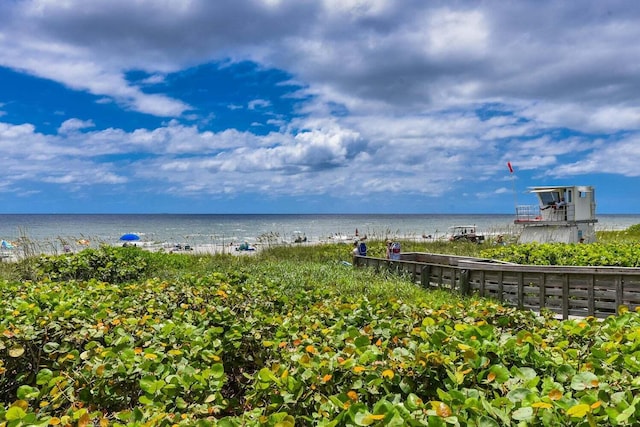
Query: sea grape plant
{"x": 271, "y": 344}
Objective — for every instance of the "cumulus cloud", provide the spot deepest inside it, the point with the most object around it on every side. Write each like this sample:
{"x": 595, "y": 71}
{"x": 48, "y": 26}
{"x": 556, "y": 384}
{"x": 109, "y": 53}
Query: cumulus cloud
{"x": 405, "y": 56}
{"x": 440, "y": 92}
{"x": 616, "y": 157}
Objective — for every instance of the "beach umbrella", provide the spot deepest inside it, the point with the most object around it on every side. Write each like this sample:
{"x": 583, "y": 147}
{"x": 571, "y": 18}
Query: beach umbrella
{"x": 6, "y": 245}
{"x": 130, "y": 237}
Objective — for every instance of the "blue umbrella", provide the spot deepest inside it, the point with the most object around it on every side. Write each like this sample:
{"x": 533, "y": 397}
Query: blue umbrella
{"x": 6, "y": 245}
{"x": 130, "y": 237}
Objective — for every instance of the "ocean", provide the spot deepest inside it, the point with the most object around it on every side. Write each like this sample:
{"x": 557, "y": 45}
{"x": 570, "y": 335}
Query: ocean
{"x": 196, "y": 229}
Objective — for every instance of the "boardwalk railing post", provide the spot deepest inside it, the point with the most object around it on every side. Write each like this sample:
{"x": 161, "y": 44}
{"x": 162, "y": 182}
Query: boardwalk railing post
{"x": 464, "y": 282}
{"x": 619, "y": 292}
{"x": 520, "y": 290}
{"x": 425, "y": 276}
{"x": 565, "y": 296}
{"x": 591, "y": 296}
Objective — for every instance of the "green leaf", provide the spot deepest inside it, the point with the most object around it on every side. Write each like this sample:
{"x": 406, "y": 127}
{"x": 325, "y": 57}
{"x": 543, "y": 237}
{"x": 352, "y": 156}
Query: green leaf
{"x": 362, "y": 341}
{"x": 624, "y": 416}
{"x": 217, "y": 371}
{"x": 485, "y": 421}
{"x": 564, "y": 372}
{"x": 286, "y": 421}
{"x": 44, "y": 376}
{"x": 145, "y": 400}
{"x": 522, "y": 414}
{"x": 520, "y": 395}
{"x": 14, "y": 413}
{"x": 150, "y": 385}
{"x": 413, "y": 402}
{"x": 502, "y": 374}
{"x": 26, "y": 392}
{"x": 584, "y": 380}
{"x": 50, "y": 347}
{"x": 265, "y": 375}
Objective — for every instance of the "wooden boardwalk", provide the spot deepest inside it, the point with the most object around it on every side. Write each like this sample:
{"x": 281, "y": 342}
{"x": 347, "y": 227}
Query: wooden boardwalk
{"x": 567, "y": 291}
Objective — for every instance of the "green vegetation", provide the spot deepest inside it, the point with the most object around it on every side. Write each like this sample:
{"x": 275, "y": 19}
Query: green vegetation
{"x": 293, "y": 336}
{"x": 592, "y": 254}
{"x": 614, "y": 248}
{"x": 629, "y": 235}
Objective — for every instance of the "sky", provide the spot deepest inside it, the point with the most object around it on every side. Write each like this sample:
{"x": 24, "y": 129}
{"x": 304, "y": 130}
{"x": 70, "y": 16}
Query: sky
{"x": 316, "y": 106}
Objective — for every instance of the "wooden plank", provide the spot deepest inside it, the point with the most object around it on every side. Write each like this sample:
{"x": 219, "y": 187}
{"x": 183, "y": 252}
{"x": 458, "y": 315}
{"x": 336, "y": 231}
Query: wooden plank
{"x": 579, "y": 303}
{"x": 578, "y": 294}
{"x": 565, "y": 297}
{"x": 553, "y": 292}
{"x": 630, "y": 297}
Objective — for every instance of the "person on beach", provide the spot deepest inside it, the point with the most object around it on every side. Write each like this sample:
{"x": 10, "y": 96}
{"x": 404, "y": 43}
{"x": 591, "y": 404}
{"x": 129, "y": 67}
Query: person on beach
{"x": 393, "y": 250}
{"x": 562, "y": 207}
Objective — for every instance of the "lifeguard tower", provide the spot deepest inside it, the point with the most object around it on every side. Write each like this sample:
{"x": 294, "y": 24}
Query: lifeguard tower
{"x": 564, "y": 214}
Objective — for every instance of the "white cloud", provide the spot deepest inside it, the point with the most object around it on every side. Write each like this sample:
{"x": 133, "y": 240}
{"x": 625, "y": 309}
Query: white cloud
{"x": 258, "y": 104}
{"x": 605, "y": 118}
{"x": 618, "y": 157}
{"x": 74, "y": 124}
{"x": 453, "y": 33}
{"x": 30, "y": 156}
{"x": 409, "y": 81}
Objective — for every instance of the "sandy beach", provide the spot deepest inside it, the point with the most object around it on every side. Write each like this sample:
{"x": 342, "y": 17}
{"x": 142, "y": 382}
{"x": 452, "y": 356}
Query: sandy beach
{"x": 18, "y": 253}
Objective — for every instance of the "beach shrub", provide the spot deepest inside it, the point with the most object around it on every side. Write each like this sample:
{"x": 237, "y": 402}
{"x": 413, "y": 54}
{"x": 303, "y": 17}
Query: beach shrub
{"x": 107, "y": 263}
{"x": 577, "y": 254}
{"x": 253, "y": 340}
{"x": 257, "y": 346}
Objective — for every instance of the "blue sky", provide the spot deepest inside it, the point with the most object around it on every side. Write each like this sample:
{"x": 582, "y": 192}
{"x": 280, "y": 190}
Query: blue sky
{"x": 323, "y": 106}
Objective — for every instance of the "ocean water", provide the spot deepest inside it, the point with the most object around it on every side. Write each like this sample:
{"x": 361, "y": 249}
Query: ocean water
{"x": 195, "y": 229}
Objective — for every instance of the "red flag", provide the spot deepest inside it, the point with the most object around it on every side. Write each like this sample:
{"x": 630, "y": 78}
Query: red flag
{"x": 510, "y": 167}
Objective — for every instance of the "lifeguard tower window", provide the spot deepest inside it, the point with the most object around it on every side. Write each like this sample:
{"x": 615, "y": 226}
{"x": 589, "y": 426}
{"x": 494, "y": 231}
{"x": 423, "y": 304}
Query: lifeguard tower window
{"x": 550, "y": 198}
{"x": 582, "y": 194}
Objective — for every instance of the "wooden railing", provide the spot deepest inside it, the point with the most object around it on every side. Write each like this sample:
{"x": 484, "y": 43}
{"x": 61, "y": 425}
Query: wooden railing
{"x": 567, "y": 291}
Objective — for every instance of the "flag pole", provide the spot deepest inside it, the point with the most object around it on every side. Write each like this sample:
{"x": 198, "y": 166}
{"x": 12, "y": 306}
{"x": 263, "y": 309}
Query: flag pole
{"x": 513, "y": 184}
